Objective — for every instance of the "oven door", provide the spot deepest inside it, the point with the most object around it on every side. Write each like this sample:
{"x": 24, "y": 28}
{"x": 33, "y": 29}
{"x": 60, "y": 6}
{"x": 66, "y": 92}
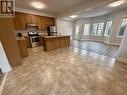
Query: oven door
{"x": 35, "y": 41}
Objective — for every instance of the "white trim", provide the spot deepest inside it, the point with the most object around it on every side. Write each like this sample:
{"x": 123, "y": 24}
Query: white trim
{"x": 3, "y": 83}
{"x": 122, "y": 60}
{"x": 34, "y": 12}
{"x": 115, "y": 44}
{"x": 120, "y": 37}
{"x": 4, "y": 63}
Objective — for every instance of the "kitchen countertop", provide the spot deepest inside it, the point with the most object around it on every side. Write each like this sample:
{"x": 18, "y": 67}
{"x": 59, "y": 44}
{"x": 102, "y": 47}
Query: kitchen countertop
{"x": 55, "y": 36}
{"x": 20, "y": 38}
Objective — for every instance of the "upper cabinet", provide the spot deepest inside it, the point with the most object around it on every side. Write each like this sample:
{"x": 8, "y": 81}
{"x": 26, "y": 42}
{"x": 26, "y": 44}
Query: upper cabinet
{"x": 21, "y": 19}
{"x": 17, "y": 21}
{"x": 49, "y": 21}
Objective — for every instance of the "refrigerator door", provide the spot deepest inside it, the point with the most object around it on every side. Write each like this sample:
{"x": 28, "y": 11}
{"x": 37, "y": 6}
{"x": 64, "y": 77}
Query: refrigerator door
{"x": 53, "y": 28}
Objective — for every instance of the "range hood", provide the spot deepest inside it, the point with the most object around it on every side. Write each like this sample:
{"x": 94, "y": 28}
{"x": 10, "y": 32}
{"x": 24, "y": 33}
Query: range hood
{"x": 30, "y": 25}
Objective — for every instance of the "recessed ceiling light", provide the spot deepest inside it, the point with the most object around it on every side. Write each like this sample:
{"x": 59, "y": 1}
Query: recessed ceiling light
{"x": 38, "y": 5}
{"x": 73, "y": 16}
{"x": 116, "y": 3}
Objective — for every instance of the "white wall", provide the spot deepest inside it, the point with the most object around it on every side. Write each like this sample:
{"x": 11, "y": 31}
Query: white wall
{"x": 116, "y": 17}
{"x": 123, "y": 49}
{"x": 4, "y": 64}
{"x": 64, "y": 27}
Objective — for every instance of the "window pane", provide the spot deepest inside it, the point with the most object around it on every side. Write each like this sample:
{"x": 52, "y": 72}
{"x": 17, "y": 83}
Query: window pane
{"x": 87, "y": 29}
{"x": 108, "y": 28}
{"x": 100, "y": 32}
{"x": 95, "y": 25}
{"x": 97, "y": 29}
{"x": 123, "y": 27}
{"x": 101, "y": 25}
{"x": 77, "y": 30}
{"x": 94, "y": 28}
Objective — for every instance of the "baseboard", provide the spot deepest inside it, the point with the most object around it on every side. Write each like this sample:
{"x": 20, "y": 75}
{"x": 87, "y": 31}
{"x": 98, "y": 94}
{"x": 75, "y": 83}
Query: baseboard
{"x": 3, "y": 83}
{"x": 121, "y": 60}
{"x": 89, "y": 40}
{"x": 114, "y": 44}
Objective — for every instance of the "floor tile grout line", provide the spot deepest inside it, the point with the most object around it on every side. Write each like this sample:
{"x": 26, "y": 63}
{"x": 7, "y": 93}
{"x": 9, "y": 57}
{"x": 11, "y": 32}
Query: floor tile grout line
{"x": 3, "y": 83}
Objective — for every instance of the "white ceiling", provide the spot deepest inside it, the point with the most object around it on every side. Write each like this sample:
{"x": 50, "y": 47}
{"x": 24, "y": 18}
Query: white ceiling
{"x": 97, "y": 10}
{"x": 65, "y": 8}
{"x": 52, "y": 6}
{"x": 100, "y": 10}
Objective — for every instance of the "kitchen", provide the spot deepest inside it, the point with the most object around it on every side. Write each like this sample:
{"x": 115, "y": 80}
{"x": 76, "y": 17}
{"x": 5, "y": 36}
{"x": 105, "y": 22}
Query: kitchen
{"x": 45, "y": 50}
{"x": 35, "y": 31}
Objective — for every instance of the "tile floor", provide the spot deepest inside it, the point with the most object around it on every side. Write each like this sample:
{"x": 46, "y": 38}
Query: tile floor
{"x": 67, "y": 71}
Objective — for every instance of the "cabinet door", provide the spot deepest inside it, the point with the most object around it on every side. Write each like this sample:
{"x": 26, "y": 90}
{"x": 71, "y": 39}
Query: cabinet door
{"x": 28, "y": 19}
{"x": 41, "y": 22}
{"x": 17, "y": 21}
{"x": 23, "y": 18}
{"x": 34, "y": 19}
{"x": 28, "y": 43}
{"x": 49, "y": 21}
{"x": 31, "y": 19}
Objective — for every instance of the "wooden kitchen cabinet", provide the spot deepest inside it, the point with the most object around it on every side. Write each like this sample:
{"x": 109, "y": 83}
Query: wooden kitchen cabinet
{"x": 49, "y": 21}
{"x": 22, "y": 47}
{"x": 55, "y": 42}
{"x": 17, "y": 21}
{"x": 41, "y": 23}
{"x": 28, "y": 43}
{"x": 21, "y": 19}
{"x": 34, "y": 19}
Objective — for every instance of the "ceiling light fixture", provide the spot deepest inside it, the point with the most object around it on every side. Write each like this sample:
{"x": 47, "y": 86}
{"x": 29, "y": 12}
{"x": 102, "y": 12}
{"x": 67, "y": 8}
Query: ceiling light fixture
{"x": 73, "y": 16}
{"x": 38, "y": 5}
{"x": 116, "y": 3}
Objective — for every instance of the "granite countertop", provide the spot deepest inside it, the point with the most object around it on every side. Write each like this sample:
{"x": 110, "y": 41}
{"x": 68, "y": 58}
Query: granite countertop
{"x": 55, "y": 36}
{"x": 20, "y": 38}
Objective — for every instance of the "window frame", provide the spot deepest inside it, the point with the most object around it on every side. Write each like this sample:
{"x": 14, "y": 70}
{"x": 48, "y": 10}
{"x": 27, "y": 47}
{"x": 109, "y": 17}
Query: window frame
{"x": 98, "y": 28}
{"x": 118, "y": 36}
{"x": 77, "y": 33}
{"x": 106, "y": 27}
{"x": 89, "y": 29}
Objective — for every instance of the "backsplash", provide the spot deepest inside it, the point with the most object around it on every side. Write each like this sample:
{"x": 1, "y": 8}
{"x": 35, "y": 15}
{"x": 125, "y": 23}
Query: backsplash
{"x": 25, "y": 32}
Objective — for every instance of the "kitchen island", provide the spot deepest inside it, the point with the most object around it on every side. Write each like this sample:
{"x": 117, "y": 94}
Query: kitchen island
{"x": 55, "y": 42}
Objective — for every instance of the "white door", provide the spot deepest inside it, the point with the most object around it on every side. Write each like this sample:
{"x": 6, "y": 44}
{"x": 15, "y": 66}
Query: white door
{"x": 4, "y": 64}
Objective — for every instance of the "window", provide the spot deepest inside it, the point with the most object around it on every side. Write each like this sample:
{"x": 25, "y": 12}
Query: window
{"x": 97, "y": 29}
{"x": 108, "y": 28}
{"x": 87, "y": 29}
{"x": 122, "y": 27}
{"x": 77, "y": 30}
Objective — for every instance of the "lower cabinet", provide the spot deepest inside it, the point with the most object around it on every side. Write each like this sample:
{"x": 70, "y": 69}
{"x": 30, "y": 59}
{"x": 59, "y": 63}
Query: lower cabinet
{"x": 28, "y": 43}
{"x": 23, "y": 48}
{"x": 51, "y": 43}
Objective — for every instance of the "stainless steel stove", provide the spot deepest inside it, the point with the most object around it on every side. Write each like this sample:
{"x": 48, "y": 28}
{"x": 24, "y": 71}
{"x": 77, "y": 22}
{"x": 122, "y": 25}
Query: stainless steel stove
{"x": 33, "y": 34}
{"x": 34, "y": 38}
